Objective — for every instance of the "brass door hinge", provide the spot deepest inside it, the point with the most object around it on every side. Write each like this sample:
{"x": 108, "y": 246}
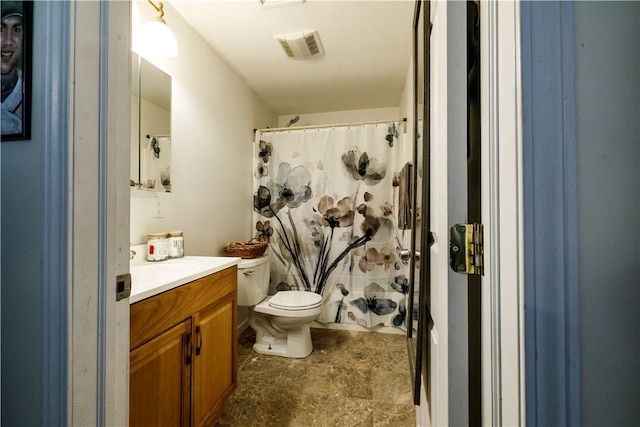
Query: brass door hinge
{"x": 466, "y": 249}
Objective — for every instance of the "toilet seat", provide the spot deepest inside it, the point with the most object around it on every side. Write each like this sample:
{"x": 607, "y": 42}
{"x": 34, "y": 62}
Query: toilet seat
{"x": 295, "y": 300}
{"x": 309, "y": 310}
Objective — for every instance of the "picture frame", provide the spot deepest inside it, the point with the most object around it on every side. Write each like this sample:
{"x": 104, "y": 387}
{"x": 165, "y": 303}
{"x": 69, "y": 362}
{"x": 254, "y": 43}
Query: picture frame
{"x": 17, "y": 33}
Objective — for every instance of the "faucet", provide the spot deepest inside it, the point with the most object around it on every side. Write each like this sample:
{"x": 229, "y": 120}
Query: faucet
{"x": 132, "y": 254}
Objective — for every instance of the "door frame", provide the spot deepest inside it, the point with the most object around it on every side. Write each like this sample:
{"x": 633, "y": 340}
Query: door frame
{"x": 95, "y": 188}
{"x": 502, "y": 211}
{"x": 503, "y": 385}
{"x": 86, "y": 331}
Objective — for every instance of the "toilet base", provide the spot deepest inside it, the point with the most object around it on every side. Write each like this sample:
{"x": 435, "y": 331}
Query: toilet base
{"x": 294, "y": 342}
{"x": 280, "y": 350}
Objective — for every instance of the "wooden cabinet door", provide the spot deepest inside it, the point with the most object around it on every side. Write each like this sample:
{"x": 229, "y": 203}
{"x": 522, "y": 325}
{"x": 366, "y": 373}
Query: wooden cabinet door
{"x": 160, "y": 379}
{"x": 215, "y": 360}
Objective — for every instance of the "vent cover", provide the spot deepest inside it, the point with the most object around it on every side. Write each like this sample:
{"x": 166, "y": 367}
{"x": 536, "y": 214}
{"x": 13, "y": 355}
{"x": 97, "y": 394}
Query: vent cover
{"x": 274, "y": 3}
{"x": 302, "y": 45}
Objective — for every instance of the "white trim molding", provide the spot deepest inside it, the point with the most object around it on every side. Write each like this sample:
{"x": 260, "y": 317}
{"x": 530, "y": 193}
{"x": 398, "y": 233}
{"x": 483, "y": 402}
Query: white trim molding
{"x": 99, "y": 107}
{"x": 503, "y": 284}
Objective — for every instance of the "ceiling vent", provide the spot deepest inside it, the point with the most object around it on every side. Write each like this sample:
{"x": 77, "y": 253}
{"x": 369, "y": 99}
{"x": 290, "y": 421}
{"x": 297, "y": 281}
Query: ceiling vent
{"x": 274, "y": 3}
{"x": 302, "y": 45}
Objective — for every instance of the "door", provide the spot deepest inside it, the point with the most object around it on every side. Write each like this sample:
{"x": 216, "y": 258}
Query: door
{"x": 445, "y": 391}
{"x": 160, "y": 382}
{"x": 215, "y": 359}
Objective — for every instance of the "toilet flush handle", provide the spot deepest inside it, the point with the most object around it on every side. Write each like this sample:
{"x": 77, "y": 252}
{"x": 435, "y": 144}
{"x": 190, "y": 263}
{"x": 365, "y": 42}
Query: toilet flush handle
{"x": 249, "y": 273}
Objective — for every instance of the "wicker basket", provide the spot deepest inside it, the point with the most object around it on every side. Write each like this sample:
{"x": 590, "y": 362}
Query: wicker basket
{"x": 251, "y": 249}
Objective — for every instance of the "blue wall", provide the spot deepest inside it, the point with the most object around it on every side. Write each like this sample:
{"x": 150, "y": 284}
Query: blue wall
{"x": 607, "y": 53}
{"x": 26, "y": 270}
{"x": 581, "y": 133}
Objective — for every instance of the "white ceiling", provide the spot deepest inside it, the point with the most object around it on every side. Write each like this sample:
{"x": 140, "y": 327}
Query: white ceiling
{"x": 367, "y": 50}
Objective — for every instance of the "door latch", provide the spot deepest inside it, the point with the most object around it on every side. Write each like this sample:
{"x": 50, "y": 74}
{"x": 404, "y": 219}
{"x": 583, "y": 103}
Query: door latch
{"x": 466, "y": 249}
{"x": 123, "y": 286}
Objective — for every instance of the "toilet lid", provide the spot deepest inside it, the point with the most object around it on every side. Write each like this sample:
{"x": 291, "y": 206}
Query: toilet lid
{"x": 295, "y": 300}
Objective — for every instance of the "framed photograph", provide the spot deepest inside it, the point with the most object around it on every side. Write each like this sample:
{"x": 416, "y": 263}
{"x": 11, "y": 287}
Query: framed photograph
{"x": 17, "y": 38}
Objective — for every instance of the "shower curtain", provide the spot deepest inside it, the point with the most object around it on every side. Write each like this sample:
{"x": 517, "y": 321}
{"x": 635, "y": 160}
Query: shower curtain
{"x": 155, "y": 163}
{"x": 329, "y": 200}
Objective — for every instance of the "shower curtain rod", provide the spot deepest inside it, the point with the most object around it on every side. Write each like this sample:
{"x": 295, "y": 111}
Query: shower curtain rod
{"x": 404, "y": 119}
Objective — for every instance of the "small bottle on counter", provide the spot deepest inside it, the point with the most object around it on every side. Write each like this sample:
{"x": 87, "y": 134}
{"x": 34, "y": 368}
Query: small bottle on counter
{"x": 158, "y": 247}
{"x": 176, "y": 244}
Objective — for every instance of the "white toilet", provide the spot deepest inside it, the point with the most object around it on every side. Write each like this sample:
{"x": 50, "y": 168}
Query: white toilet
{"x": 281, "y": 321}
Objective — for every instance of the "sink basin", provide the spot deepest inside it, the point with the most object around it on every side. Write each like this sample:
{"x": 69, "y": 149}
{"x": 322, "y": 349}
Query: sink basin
{"x": 152, "y": 278}
{"x": 154, "y": 271}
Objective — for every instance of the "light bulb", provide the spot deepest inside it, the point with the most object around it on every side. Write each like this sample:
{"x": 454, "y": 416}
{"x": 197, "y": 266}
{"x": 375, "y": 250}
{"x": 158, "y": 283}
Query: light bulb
{"x": 158, "y": 40}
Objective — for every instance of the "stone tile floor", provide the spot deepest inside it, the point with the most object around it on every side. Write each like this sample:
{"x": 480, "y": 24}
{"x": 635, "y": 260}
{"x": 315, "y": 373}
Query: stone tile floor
{"x": 350, "y": 379}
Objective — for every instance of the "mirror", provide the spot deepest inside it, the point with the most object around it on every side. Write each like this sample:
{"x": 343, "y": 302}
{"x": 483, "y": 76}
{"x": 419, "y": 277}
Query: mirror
{"x": 417, "y": 341}
{"x": 150, "y": 127}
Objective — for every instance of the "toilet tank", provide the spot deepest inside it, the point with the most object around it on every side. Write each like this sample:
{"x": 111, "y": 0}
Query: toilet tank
{"x": 253, "y": 280}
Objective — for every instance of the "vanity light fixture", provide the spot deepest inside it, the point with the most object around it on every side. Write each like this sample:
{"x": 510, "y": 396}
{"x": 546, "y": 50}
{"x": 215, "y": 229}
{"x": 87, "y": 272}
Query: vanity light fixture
{"x": 157, "y": 38}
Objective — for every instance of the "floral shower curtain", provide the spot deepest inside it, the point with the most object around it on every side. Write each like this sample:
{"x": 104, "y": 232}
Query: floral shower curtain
{"x": 155, "y": 163}
{"x": 332, "y": 202}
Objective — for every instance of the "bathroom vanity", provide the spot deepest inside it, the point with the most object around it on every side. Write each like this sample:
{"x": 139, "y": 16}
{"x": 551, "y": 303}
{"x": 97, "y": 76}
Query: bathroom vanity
{"x": 183, "y": 359}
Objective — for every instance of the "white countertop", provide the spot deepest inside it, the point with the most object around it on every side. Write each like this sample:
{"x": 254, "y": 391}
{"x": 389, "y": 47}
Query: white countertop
{"x": 151, "y": 278}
